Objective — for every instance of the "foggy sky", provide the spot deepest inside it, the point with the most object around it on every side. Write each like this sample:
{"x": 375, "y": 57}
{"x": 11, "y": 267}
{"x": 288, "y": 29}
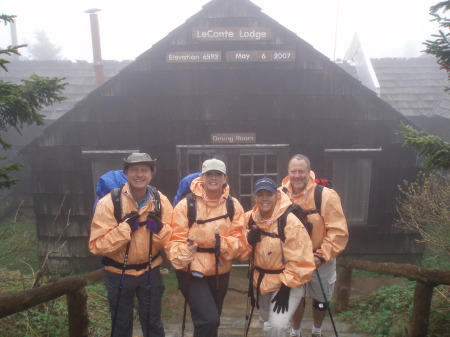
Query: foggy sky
{"x": 386, "y": 28}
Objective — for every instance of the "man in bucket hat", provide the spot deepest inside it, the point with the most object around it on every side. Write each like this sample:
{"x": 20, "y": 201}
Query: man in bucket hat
{"x": 131, "y": 247}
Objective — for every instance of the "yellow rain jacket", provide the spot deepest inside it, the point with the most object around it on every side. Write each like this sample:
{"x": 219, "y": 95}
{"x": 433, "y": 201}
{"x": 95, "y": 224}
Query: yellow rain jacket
{"x": 110, "y": 239}
{"x": 297, "y": 249}
{"x": 231, "y": 233}
{"x": 330, "y": 233}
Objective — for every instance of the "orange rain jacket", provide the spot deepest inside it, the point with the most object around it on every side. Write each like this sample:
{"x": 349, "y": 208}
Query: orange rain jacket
{"x": 231, "y": 234}
{"x": 297, "y": 249}
{"x": 110, "y": 239}
{"x": 330, "y": 233}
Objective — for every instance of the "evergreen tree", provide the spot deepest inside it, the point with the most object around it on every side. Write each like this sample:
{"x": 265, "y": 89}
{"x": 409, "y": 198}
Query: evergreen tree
{"x": 441, "y": 46}
{"x": 43, "y": 49}
{"x": 20, "y": 103}
{"x": 435, "y": 151}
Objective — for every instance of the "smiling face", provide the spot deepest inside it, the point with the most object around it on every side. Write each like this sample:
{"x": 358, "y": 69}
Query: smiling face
{"x": 213, "y": 182}
{"x": 139, "y": 176}
{"x": 298, "y": 172}
{"x": 265, "y": 200}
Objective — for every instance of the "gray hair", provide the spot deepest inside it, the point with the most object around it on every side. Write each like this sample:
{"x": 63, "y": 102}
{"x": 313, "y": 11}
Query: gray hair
{"x": 301, "y": 157}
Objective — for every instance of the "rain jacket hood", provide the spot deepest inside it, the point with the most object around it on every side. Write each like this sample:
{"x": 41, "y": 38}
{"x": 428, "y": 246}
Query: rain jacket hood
{"x": 296, "y": 250}
{"x": 330, "y": 233}
{"x": 231, "y": 233}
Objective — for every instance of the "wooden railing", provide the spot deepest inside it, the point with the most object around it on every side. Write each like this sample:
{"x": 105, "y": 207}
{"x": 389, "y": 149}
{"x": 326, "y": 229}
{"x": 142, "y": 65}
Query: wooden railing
{"x": 426, "y": 279}
{"x": 72, "y": 287}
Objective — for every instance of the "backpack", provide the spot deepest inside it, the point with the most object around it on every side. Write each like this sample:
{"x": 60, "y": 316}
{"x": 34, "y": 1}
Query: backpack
{"x": 192, "y": 210}
{"x": 112, "y": 182}
{"x": 184, "y": 187}
{"x": 294, "y": 209}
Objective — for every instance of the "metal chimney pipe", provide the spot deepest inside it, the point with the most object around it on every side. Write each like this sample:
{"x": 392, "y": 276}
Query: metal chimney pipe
{"x": 14, "y": 39}
{"x": 96, "y": 47}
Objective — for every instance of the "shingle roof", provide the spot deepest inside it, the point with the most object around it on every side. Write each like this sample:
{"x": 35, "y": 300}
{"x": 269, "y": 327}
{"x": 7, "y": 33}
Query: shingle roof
{"x": 413, "y": 86}
{"x": 80, "y": 79}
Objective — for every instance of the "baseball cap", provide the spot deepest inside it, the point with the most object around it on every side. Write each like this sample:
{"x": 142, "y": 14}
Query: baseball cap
{"x": 139, "y": 158}
{"x": 214, "y": 165}
{"x": 265, "y": 184}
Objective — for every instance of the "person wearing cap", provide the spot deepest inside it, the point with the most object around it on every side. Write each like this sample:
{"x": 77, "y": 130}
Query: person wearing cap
{"x": 329, "y": 238}
{"x": 203, "y": 263}
{"x": 281, "y": 262}
{"x": 131, "y": 248}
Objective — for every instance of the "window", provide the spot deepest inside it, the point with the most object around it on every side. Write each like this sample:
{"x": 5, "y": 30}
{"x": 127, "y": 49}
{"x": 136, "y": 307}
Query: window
{"x": 352, "y": 175}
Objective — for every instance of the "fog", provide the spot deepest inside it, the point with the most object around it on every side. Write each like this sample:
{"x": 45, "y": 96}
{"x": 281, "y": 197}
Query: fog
{"x": 386, "y": 28}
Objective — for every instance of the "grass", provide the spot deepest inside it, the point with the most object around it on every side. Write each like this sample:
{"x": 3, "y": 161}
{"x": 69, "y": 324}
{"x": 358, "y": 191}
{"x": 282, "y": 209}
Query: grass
{"x": 19, "y": 263}
{"x": 384, "y": 313}
{"x": 387, "y": 311}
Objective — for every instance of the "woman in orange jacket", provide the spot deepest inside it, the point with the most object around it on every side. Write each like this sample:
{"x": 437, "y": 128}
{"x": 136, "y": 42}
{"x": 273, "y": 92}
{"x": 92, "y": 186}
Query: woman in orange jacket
{"x": 203, "y": 263}
{"x": 281, "y": 264}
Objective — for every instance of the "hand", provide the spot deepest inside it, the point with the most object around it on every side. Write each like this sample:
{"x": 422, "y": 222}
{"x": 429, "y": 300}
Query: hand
{"x": 191, "y": 245}
{"x": 281, "y": 300}
{"x": 253, "y": 237}
{"x": 153, "y": 223}
{"x": 318, "y": 260}
{"x": 132, "y": 219}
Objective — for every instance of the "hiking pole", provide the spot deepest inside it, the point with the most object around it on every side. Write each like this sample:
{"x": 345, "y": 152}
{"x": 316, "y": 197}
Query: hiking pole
{"x": 190, "y": 242}
{"x": 122, "y": 277}
{"x": 326, "y": 302}
{"x": 149, "y": 285}
{"x": 217, "y": 253}
{"x": 250, "y": 294}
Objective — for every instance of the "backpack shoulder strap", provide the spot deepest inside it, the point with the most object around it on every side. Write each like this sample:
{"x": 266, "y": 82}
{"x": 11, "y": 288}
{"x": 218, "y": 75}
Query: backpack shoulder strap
{"x": 117, "y": 203}
{"x": 230, "y": 208}
{"x": 157, "y": 201}
{"x": 282, "y": 220}
{"x": 191, "y": 208}
{"x": 318, "y": 197}
{"x": 251, "y": 222}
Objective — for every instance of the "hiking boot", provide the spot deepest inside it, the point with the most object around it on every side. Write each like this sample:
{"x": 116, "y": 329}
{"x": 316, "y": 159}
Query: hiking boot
{"x": 317, "y": 334}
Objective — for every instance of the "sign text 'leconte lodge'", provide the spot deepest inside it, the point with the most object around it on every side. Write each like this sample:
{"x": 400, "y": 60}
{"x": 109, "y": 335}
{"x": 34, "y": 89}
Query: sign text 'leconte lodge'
{"x": 231, "y": 33}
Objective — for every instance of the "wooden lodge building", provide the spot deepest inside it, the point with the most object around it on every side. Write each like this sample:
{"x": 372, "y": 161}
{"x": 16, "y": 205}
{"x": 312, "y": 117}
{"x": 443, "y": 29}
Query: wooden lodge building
{"x": 234, "y": 83}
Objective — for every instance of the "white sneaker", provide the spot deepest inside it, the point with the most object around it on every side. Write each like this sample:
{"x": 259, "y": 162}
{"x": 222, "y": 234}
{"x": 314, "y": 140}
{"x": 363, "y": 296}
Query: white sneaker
{"x": 292, "y": 335}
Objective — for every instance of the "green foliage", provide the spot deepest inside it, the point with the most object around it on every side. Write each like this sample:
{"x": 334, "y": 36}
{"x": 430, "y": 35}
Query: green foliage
{"x": 440, "y": 47}
{"x": 20, "y": 103}
{"x": 435, "y": 151}
{"x": 18, "y": 246}
{"x": 424, "y": 208}
{"x": 387, "y": 312}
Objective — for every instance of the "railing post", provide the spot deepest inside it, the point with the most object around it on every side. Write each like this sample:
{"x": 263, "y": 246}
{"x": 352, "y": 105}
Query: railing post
{"x": 343, "y": 285}
{"x": 423, "y": 294}
{"x": 77, "y": 311}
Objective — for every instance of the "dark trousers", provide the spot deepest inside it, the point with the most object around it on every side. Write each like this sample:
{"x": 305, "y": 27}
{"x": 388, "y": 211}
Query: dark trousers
{"x": 205, "y": 312}
{"x": 135, "y": 285}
